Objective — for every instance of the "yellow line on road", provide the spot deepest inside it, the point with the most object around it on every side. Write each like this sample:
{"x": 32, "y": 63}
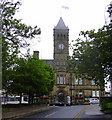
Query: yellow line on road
{"x": 78, "y": 115}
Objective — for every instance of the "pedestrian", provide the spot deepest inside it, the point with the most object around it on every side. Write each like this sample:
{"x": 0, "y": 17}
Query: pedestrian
{"x": 68, "y": 100}
{"x": 77, "y": 102}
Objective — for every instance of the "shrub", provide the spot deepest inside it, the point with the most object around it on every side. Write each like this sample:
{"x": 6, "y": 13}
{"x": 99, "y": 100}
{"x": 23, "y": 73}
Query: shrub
{"x": 106, "y": 104}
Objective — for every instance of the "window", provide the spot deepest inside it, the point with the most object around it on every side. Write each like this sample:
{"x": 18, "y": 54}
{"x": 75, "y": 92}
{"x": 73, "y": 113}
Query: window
{"x": 57, "y": 36}
{"x": 80, "y": 92}
{"x": 95, "y": 93}
{"x": 58, "y": 79}
{"x": 78, "y": 81}
{"x": 92, "y": 82}
{"x": 61, "y": 79}
{"x": 61, "y": 36}
{"x": 64, "y": 79}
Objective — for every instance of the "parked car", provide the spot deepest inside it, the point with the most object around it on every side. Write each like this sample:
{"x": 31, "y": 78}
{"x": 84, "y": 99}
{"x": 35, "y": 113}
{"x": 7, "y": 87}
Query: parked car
{"x": 94, "y": 101}
{"x": 57, "y": 103}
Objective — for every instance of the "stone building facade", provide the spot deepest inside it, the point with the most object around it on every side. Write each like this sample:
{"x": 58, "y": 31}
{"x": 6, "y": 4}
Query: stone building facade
{"x": 66, "y": 83}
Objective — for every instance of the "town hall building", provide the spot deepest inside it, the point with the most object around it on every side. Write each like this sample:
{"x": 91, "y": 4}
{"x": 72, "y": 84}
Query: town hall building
{"x": 66, "y": 83}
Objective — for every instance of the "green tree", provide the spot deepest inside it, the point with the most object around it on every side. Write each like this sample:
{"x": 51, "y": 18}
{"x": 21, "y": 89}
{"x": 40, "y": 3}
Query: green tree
{"x": 32, "y": 77}
{"x": 14, "y": 36}
{"x": 93, "y": 54}
{"x": 87, "y": 60}
{"x": 51, "y": 78}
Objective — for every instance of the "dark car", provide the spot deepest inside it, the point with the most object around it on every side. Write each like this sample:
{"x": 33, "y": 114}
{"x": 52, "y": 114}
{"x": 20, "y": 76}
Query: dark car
{"x": 57, "y": 103}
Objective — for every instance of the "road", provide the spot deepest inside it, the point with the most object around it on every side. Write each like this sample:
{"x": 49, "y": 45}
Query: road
{"x": 58, "y": 112}
{"x": 89, "y": 112}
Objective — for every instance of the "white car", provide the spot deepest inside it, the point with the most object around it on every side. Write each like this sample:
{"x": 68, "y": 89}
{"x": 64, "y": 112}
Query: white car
{"x": 94, "y": 101}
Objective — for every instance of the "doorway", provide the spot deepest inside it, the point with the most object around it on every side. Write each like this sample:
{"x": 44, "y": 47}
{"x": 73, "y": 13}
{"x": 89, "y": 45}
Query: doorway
{"x": 61, "y": 97}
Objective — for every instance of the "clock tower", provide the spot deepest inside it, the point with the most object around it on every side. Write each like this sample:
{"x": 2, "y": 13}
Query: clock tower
{"x": 61, "y": 45}
{"x": 61, "y": 51}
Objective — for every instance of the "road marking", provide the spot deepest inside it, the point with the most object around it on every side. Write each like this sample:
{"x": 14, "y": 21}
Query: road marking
{"x": 78, "y": 115}
{"x": 51, "y": 114}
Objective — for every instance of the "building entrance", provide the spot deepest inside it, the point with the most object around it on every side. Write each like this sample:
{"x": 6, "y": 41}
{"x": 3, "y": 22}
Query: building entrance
{"x": 61, "y": 97}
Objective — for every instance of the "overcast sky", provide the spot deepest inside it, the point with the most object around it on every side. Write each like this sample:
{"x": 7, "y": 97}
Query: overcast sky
{"x": 81, "y": 15}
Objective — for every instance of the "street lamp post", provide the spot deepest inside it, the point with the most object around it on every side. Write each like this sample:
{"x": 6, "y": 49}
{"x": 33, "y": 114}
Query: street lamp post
{"x": 70, "y": 70}
{"x": 71, "y": 78}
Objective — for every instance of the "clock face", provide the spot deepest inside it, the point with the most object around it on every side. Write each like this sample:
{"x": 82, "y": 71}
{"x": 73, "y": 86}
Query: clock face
{"x": 61, "y": 46}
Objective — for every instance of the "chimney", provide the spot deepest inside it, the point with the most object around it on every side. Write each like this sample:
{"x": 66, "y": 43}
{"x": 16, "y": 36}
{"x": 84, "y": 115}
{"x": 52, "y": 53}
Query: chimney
{"x": 36, "y": 53}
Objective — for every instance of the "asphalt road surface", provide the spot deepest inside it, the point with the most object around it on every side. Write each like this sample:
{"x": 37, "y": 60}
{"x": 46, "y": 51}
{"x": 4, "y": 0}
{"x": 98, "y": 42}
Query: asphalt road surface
{"x": 59, "y": 112}
{"x": 79, "y": 112}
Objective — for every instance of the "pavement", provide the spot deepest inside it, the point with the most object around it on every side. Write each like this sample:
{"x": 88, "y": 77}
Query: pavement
{"x": 24, "y": 111}
{"x": 93, "y": 112}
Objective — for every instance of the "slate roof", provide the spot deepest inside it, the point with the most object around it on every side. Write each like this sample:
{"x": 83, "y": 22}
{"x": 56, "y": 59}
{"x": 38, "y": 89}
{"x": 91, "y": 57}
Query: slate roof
{"x": 61, "y": 24}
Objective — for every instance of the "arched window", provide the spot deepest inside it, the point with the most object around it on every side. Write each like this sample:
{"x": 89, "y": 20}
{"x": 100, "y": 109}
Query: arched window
{"x": 57, "y": 35}
{"x": 61, "y": 36}
{"x": 61, "y": 79}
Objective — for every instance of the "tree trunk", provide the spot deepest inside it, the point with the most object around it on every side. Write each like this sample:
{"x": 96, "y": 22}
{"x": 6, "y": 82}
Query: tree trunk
{"x": 29, "y": 100}
{"x": 32, "y": 99}
{"x": 20, "y": 98}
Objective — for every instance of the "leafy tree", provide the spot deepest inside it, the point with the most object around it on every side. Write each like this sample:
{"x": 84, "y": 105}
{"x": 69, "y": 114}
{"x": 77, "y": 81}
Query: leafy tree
{"x": 88, "y": 62}
{"x": 51, "y": 79}
{"x": 14, "y": 36}
{"x": 32, "y": 77}
{"x": 93, "y": 54}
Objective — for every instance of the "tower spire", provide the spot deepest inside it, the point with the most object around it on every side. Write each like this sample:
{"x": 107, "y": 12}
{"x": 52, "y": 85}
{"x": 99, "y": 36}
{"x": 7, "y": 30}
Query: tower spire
{"x": 61, "y": 24}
